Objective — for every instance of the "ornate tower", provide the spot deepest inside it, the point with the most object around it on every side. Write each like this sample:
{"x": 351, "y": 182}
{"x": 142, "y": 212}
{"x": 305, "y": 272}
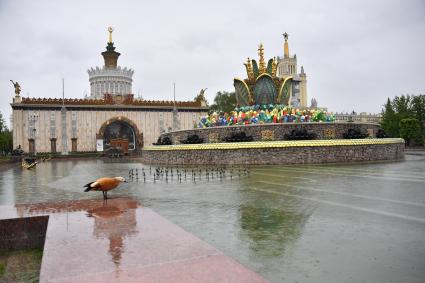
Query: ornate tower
{"x": 287, "y": 66}
{"x": 110, "y": 79}
{"x": 303, "y": 87}
{"x": 110, "y": 55}
{"x": 286, "y": 46}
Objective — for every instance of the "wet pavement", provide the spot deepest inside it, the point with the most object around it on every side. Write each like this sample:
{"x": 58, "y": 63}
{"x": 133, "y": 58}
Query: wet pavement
{"x": 117, "y": 240}
{"x": 330, "y": 223}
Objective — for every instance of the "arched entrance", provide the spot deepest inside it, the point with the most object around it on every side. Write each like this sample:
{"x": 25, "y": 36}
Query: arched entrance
{"x": 120, "y": 134}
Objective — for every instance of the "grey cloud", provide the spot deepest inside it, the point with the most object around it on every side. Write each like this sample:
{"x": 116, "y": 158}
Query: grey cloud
{"x": 356, "y": 53}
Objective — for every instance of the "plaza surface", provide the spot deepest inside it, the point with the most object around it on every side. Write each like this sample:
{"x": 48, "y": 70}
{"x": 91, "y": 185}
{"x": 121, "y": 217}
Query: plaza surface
{"x": 322, "y": 223}
{"x": 119, "y": 241}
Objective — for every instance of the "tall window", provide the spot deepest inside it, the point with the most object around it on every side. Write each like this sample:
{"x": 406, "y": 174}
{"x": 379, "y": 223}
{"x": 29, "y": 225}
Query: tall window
{"x": 74, "y": 144}
{"x": 194, "y": 119}
{"x": 31, "y": 146}
{"x": 74, "y": 124}
{"x": 53, "y": 145}
{"x": 52, "y": 124}
{"x": 161, "y": 123}
{"x": 32, "y": 117}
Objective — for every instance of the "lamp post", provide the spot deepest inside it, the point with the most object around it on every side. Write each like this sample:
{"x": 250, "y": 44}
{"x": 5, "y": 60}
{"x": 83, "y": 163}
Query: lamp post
{"x": 33, "y": 132}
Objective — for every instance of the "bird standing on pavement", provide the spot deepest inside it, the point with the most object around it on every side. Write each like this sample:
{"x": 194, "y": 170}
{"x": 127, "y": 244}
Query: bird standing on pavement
{"x": 104, "y": 184}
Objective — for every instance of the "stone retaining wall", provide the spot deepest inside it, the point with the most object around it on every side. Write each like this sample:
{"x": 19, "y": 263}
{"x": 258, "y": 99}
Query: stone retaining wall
{"x": 23, "y": 233}
{"x": 341, "y": 151}
{"x": 261, "y": 132}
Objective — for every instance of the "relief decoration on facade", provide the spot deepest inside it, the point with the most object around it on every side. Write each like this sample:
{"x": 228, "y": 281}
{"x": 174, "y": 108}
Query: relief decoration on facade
{"x": 267, "y": 135}
{"x": 213, "y": 138}
{"x": 329, "y": 133}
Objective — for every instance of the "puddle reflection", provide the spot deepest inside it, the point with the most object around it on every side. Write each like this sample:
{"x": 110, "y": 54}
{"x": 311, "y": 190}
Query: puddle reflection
{"x": 115, "y": 220}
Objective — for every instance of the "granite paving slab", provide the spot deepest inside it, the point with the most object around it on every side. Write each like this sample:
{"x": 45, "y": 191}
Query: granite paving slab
{"x": 120, "y": 241}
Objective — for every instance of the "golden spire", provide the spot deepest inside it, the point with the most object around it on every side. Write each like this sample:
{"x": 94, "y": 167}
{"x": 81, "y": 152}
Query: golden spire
{"x": 110, "y": 30}
{"x": 274, "y": 67}
{"x": 285, "y": 45}
{"x": 248, "y": 66}
{"x": 262, "y": 67}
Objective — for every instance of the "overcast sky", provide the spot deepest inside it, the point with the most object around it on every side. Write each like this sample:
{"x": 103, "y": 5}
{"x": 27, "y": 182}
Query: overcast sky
{"x": 355, "y": 53}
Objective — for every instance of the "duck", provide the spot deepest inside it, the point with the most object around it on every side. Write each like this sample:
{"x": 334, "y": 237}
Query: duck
{"x": 104, "y": 184}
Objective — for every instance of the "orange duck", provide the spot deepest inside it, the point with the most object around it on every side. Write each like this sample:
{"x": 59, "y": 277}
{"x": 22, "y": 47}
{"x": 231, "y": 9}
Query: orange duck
{"x": 104, "y": 184}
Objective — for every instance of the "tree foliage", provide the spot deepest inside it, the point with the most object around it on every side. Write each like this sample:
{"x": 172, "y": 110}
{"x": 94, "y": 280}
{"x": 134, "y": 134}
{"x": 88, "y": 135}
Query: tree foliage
{"x": 2, "y": 123}
{"x": 405, "y": 107}
{"x": 390, "y": 122}
{"x": 6, "y": 142}
{"x": 224, "y": 101}
{"x": 410, "y": 130}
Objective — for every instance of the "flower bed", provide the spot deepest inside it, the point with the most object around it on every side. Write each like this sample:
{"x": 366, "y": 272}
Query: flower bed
{"x": 264, "y": 114}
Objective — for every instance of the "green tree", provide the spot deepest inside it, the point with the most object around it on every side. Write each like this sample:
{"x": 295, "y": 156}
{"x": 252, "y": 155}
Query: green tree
{"x": 2, "y": 123}
{"x": 389, "y": 121}
{"x": 224, "y": 101}
{"x": 418, "y": 109}
{"x": 6, "y": 141}
{"x": 410, "y": 130}
{"x": 401, "y": 105}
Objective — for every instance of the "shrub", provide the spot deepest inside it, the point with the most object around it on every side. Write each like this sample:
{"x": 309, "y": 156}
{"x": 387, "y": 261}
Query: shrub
{"x": 163, "y": 141}
{"x": 354, "y": 134}
{"x": 238, "y": 137}
{"x": 300, "y": 134}
{"x": 193, "y": 139}
{"x": 381, "y": 134}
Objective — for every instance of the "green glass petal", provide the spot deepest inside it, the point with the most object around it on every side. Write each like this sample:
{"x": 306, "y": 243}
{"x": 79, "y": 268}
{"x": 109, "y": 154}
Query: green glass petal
{"x": 241, "y": 93}
{"x": 265, "y": 90}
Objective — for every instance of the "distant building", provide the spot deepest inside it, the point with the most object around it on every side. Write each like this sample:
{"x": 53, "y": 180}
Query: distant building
{"x": 110, "y": 118}
{"x": 362, "y": 117}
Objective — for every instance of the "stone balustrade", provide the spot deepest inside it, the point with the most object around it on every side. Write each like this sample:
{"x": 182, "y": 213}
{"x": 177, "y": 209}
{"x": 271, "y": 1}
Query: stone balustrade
{"x": 262, "y": 132}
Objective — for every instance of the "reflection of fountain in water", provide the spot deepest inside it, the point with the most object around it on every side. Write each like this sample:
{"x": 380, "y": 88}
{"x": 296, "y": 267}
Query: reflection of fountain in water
{"x": 271, "y": 225}
{"x": 271, "y": 230}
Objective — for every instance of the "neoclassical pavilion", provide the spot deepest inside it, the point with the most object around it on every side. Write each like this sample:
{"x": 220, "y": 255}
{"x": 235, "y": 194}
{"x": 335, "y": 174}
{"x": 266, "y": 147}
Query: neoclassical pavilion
{"x": 110, "y": 117}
